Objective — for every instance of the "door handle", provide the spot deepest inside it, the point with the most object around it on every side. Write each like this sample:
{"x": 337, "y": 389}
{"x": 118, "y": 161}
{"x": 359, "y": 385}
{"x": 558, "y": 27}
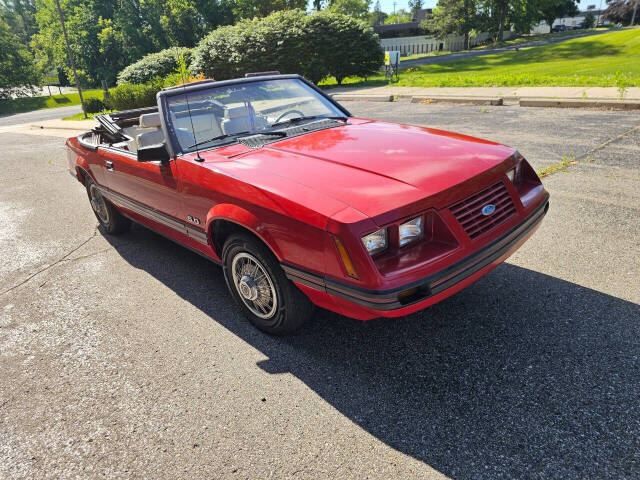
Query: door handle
{"x": 109, "y": 165}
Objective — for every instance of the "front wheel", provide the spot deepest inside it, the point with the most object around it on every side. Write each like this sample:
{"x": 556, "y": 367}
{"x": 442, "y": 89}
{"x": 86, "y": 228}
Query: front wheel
{"x": 257, "y": 283}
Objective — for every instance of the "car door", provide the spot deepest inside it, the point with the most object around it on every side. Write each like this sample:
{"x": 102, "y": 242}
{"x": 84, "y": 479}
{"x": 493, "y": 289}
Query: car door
{"x": 149, "y": 188}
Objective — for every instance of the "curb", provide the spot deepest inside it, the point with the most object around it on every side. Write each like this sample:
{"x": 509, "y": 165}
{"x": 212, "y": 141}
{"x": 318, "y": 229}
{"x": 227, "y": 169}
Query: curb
{"x": 459, "y": 99}
{"x": 581, "y": 103}
{"x": 362, "y": 98}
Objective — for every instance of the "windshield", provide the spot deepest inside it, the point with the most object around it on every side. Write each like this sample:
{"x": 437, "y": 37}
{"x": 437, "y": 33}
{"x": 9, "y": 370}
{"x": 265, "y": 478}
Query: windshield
{"x": 222, "y": 114}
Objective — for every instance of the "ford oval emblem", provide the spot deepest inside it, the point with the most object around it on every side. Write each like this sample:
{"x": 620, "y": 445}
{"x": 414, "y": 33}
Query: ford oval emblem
{"x": 488, "y": 209}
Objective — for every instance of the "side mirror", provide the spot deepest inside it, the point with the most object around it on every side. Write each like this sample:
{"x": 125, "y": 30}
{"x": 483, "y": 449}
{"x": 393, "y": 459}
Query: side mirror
{"x": 153, "y": 153}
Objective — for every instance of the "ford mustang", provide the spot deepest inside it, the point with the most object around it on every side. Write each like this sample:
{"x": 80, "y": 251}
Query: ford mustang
{"x": 303, "y": 204}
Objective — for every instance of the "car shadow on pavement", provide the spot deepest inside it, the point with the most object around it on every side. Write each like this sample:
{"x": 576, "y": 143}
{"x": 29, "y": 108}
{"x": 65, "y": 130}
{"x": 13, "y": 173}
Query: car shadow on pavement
{"x": 521, "y": 375}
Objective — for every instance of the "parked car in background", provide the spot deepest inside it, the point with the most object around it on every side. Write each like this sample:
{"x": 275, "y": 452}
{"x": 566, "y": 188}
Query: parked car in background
{"x": 559, "y": 28}
{"x": 303, "y": 204}
{"x": 577, "y": 26}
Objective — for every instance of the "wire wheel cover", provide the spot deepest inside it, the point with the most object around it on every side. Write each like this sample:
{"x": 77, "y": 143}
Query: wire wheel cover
{"x": 254, "y": 285}
{"x": 98, "y": 204}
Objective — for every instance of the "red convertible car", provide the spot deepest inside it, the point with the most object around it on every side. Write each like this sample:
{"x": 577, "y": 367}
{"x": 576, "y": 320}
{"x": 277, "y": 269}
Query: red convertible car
{"x": 303, "y": 204}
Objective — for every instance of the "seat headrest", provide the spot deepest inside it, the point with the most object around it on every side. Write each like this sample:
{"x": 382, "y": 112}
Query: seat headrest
{"x": 149, "y": 120}
{"x": 236, "y": 112}
{"x": 148, "y": 139}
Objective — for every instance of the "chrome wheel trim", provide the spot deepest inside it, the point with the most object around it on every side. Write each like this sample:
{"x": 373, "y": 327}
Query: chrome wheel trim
{"x": 98, "y": 204}
{"x": 254, "y": 285}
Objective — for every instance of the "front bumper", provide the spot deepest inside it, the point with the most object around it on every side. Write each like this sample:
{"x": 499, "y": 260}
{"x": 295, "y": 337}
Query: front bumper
{"x": 426, "y": 291}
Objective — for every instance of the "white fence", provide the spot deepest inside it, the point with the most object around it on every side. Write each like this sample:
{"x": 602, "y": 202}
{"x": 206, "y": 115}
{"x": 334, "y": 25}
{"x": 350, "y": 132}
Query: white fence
{"x": 422, "y": 44}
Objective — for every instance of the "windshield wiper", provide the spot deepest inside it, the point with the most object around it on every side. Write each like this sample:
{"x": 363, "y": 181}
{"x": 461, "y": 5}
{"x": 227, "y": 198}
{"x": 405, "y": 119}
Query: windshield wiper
{"x": 237, "y": 135}
{"x": 307, "y": 117}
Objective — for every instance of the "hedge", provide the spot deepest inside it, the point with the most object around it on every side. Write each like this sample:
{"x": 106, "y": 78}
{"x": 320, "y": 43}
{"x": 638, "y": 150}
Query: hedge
{"x": 343, "y": 46}
{"x": 131, "y": 95}
{"x": 158, "y": 64}
{"x": 93, "y": 105}
{"x": 316, "y": 46}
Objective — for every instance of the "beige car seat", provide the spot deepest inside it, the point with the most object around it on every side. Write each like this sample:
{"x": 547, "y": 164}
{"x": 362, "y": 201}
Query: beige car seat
{"x": 153, "y": 137}
{"x": 236, "y": 119}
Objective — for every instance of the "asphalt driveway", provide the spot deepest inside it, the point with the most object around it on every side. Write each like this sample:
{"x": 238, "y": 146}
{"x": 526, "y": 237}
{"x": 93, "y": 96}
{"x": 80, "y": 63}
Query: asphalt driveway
{"x": 38, "y": 115}
{"x": 124, "y": 357}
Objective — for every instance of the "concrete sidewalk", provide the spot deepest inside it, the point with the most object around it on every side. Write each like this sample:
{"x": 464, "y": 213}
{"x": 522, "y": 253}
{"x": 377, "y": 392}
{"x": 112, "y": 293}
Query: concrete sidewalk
{"x": 54, "y": 128}
{"x": 508, "y": 93}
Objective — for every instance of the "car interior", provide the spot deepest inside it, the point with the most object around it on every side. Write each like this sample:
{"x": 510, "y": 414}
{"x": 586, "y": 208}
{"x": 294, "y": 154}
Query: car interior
{"x": 205, "y": 125}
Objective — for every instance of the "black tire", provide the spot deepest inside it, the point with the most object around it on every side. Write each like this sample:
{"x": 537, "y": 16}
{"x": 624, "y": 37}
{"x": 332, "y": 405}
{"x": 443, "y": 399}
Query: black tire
{"x": 109, "y": 217}
{"x": 288, "y": 310}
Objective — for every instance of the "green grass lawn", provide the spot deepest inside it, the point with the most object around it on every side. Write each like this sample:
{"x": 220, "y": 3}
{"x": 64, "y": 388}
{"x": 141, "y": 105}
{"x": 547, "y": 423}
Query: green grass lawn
{"x": 416, "y": 56}
{"x": 607, "y": 60}
{"x": 80, "y": 115}
{"x": 540, "y": 36}
{"x": 28, "y": 104}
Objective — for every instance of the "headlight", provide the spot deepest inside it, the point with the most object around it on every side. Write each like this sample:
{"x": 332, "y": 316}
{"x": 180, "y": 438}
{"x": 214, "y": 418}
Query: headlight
{"x": 375, "y": 242}
{"x": 511, "y": 174}
{"x": 514, "y": 174}
{"x": 410, "y": 231}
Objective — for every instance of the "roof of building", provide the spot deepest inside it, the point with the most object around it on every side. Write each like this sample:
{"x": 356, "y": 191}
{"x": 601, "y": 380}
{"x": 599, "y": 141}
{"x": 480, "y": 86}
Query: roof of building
{"x": 404, "y": 29}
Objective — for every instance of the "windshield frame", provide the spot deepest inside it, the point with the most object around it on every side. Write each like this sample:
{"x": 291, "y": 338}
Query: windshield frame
{"x": 173, "y": 146}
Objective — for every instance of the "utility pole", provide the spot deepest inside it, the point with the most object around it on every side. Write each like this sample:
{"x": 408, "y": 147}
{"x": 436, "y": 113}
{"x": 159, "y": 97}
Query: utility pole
{"x": 635, "y": 8}
{"x": 70, "y": 55}
{"x": 599, "y": 15}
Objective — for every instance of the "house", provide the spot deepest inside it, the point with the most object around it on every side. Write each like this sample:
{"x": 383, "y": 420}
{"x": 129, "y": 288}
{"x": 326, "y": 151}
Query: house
{"x": 406, "y": 29}
{"x": 569, "y": 22}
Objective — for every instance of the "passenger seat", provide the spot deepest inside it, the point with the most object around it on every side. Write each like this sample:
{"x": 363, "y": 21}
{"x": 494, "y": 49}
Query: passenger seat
{"x": 237, "y": 119}
{"x": 154, "y": 137}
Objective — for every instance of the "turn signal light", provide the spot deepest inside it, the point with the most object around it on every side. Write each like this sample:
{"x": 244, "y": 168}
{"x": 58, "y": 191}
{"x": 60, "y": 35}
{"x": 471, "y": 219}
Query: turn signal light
{"x": 346, "y": 260}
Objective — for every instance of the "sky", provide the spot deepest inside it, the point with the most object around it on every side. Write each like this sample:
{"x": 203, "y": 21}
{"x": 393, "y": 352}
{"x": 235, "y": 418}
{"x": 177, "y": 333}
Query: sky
{"x": 387, "y": 5}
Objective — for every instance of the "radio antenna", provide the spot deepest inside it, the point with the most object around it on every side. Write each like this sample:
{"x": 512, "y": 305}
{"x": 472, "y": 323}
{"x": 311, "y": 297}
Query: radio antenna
{"x": 183, "y": 67}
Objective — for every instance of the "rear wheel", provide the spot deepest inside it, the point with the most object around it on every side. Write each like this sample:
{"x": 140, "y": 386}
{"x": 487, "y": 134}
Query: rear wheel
{"x": 257, "y": 283}
{"x": 109, "y": 217}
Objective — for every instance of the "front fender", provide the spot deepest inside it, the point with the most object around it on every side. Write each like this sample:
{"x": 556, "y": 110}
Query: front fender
{"x": 243, "y": 218}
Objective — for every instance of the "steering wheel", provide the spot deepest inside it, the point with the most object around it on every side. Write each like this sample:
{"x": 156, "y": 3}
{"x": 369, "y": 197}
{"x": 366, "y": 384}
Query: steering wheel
{"x": 300, "y": 114}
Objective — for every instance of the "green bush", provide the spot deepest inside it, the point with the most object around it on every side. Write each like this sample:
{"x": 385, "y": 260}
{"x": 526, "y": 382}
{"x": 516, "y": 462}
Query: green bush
{"x": 343, "y": 46}
{"x": 589, "y": 20}
{"x": 154, "y": 65}
{"x": 315, "y": 46}
{"x": 93, "y": 105}
{"x": 129, "y": 95}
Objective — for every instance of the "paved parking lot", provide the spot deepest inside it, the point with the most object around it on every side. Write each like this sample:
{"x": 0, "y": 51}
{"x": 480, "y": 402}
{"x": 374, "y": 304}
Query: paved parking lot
{"x": 125, "y": 358}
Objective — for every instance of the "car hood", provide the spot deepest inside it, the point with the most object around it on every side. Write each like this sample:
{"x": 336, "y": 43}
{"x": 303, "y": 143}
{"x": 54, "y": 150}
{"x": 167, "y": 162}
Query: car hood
{"x": 372, "y": 166}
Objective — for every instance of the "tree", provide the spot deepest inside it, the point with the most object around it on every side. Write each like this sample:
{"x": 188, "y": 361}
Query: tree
{"x": 453, "y": 17}
{"x": 552, "y": 9}
{"x": 315, "y": 46}
{"x": 414, "y": 6}
{"x": 106, "y": 36}
{"x": 354, "y": 8}
{"x": 20, "y": 16}
{"x": 160, "y": 64}
{"x": 589, "y": 20}
{"x": 262, "y": 8}
{"x": 17, "y": 70}
{"x": 343, "y": 46}
{"x": 378, "y": 16}
{"x": 620, "y": 11}
{"x": 401, "y": 16}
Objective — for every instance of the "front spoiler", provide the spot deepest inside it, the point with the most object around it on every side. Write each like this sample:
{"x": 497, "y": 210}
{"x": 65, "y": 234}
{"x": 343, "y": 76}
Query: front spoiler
{"x": 385, "y": 300}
